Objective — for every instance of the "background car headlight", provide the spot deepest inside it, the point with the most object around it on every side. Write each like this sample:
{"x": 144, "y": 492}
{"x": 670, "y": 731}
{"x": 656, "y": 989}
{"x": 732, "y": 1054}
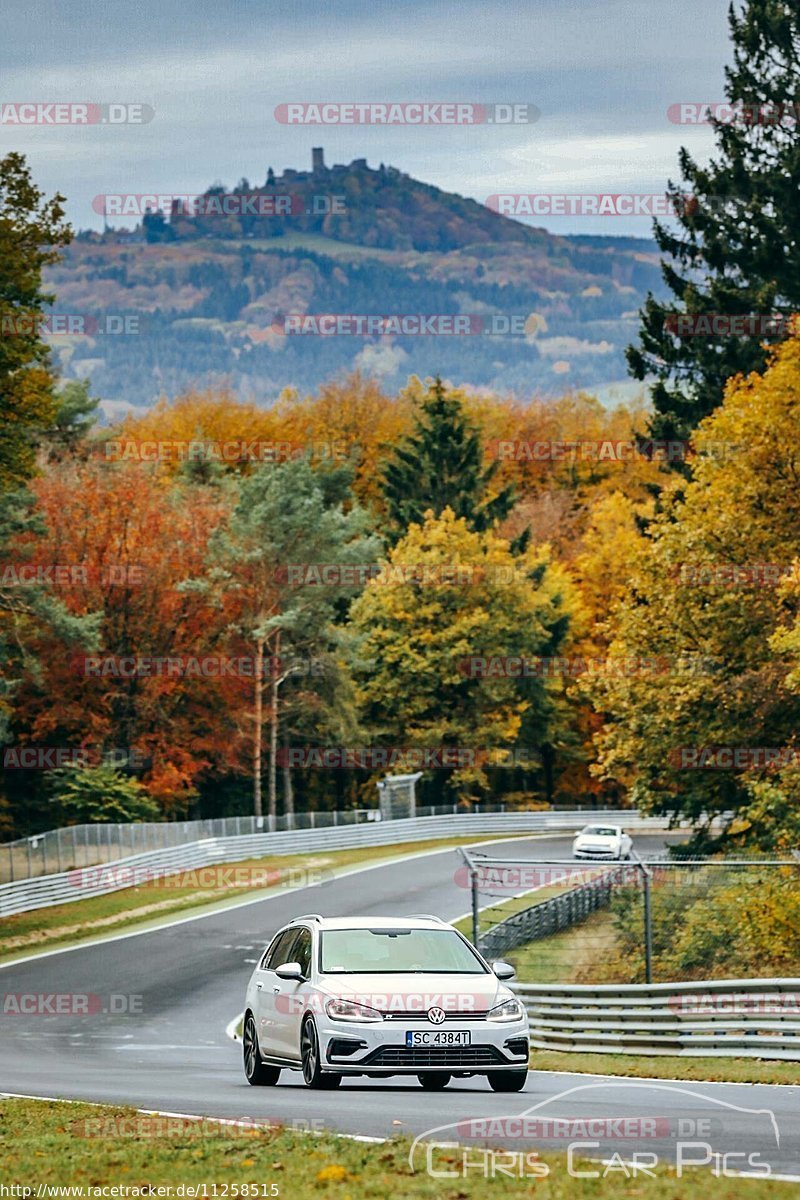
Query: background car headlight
{"x": 509, "y": 1010}
{"x": 348, "y": 1010}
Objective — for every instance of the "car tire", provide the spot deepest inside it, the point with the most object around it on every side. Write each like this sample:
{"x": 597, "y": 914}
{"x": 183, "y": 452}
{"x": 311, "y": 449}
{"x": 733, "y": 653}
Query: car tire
{"x": 507, "y": 1081}
{"x": 434, "y": 1083}
{"x": 313, "y": 1075}
{"x": 257, "y": 1072}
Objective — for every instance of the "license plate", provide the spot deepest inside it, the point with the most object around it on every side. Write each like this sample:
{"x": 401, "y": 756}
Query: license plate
{"x": 438, "y": 1037}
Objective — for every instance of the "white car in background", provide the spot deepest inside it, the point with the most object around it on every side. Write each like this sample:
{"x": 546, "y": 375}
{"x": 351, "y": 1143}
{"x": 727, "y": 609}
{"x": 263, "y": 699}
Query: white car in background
{"x": 381, "y": 996}
{"x": 602, "y": 842}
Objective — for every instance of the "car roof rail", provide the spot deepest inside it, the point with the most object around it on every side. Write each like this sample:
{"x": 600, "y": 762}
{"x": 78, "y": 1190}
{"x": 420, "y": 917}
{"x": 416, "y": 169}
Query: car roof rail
{"x": 307, "y": 917}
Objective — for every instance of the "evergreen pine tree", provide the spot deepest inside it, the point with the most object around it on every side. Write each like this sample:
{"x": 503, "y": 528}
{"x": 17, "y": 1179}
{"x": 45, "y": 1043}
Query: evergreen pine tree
{"x": 439, "y": 466}
{"x": 737, "y": 249}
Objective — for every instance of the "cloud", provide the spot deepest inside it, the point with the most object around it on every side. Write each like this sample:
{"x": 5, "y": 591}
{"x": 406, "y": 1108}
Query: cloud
{"x": 214, "y": 70}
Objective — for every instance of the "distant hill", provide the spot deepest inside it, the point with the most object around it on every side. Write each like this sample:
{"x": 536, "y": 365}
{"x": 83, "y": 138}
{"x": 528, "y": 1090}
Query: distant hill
{"x": 207, "y": 288}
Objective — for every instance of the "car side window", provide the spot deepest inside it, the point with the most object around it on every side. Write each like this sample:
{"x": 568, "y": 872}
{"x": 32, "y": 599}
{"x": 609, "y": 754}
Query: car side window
{"x": 301, "y": 951}
{"x": 262, "y": 966}
{"x": 277, "y": 953}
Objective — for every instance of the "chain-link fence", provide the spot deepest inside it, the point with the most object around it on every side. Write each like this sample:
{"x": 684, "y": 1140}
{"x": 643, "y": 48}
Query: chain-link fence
{"x": 636, "y": 921}
{"x": 88, "y": 845}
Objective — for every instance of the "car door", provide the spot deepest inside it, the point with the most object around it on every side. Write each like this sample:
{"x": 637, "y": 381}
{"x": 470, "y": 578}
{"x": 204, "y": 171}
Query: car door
{"x": 290, "y": 995}
{"x": 268, "y": 1018}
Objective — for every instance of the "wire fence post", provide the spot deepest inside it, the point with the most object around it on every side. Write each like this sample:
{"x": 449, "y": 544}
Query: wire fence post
{"x": 473, "y": 875}
{"x": 648, "y": 924}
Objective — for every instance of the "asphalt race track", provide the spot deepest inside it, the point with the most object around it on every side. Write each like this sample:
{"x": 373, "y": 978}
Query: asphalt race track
{"x": 185, "y": 983}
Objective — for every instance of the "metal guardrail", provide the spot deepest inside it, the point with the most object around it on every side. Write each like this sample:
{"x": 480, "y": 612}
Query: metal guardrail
{"x": 550, "y": 916}
{"x": 84, "y": 845}
{"x": 742, "y": 1018}
{"x": 65, "y": 886}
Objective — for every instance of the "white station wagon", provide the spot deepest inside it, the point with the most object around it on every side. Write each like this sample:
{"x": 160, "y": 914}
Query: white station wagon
{"x": 381, "y": 996}
{"x": 602, "y": 841}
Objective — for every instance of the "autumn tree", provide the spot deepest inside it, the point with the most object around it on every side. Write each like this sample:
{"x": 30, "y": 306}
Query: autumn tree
{"x": 197, "y": 427}
{"x": 449, "y": 597}
{"x": 120, "y": 539}
{"x": 703, "y": 601}
{"x": 348, "y": 420}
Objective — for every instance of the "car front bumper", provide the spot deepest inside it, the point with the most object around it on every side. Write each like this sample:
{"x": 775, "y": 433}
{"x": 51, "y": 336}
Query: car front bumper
{"x": 378, "y": 1048}
{"x": 600, "y": 855}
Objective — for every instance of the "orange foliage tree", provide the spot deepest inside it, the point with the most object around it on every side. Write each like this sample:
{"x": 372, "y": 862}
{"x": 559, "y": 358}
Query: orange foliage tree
{"x": 124, "y": 538}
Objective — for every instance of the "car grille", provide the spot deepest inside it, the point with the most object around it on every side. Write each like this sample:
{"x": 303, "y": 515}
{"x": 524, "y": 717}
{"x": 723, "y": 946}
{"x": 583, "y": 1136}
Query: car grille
{"x": 394, "y": 1015}
{"x": 434, "y": 1056}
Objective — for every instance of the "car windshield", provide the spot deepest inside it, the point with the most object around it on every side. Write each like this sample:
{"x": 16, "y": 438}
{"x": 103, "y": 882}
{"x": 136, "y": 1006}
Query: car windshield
{"x": 384, "y": 951}
{"x": 601, "y": 830}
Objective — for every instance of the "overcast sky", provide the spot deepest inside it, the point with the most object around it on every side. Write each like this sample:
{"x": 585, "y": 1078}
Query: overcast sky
{"x": 602, "y": 72}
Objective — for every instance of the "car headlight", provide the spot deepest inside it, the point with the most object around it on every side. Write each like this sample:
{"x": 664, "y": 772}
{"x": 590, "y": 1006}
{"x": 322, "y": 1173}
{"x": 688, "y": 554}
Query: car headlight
{"x": 509, "y": 1010}
{"x": 348, "y": 1010}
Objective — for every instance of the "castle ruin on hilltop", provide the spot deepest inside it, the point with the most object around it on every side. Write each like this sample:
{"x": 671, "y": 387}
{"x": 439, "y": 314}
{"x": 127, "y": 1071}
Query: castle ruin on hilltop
{"x": 319, "y": 170}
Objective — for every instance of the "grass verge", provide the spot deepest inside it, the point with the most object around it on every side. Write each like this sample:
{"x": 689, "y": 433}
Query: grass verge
{"x": 64, "y": 924}
{"x": 668, "y": 1066}
{"x": 45, "y": 1144}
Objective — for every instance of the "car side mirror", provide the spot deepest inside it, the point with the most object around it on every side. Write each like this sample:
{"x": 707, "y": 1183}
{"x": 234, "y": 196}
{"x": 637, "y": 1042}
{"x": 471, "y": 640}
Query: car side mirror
{"x": 503, "y": 970}
{"x": 291, "y": 970}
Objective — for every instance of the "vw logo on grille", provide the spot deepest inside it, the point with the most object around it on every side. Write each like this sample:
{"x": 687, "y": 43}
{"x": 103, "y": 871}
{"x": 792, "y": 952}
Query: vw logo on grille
{"x": 435, "y": 1016}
